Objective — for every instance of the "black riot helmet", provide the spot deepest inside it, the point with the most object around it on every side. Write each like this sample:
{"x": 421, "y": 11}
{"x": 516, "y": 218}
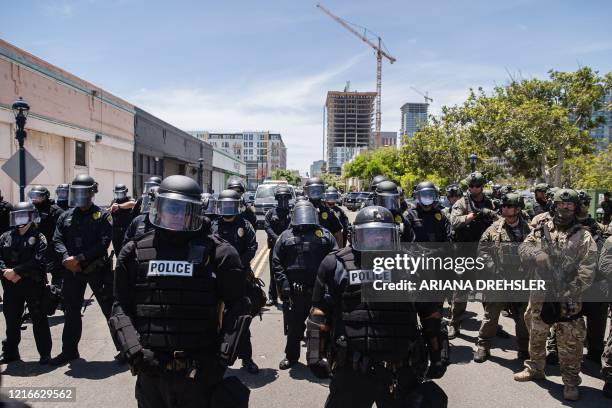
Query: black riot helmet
{"x": 314, "y": 188}
{"x": 177, "y": 205}
{"x": 426, "y": 193}
{"x": 151, "y": 181}
{"x": 236, "y": 183}
{"x": 282, "y": 195}
{"x": 38, "y": 194}
{"x": 228, "y": 203}
{"x": 304, "y": 216}
{"x": 22, "y": 214}
{"x": 374, "y": 229}
{"x": 387, "y": 195}
{"x": 209, "y": 204}
{"x": 331, "y": 195}
{"x": 82, "y": 191}
{"x": 61, "y": 192}
{"x": 148, "y": 198}
{"x": 454, "y": 191}
{"x": 376, "y": 180}
{"x": 120, "y": 191}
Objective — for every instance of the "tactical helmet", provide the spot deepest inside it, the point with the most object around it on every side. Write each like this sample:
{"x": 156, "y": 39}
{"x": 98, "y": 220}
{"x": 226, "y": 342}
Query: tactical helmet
{"x": 151, "y": 181}
{"x": 387, "y": 195}
{"x": 38, "y": 194}
{"x": 550, "y": 193}
{"x": 148, "y": 198}
{"x": 228, "y": 203}
{"x": 476, "y": 179}
{"x": 495, "y": 188}
{"x": 314, "y": 188}
{"x": 282, "y": 195}
{"x": 82, "y": 190}
{"x": 512, "y": 200}
{"x": 62, "y": 191}
{"x": 426, "y": 193}
{"x": 505, "y": 189}
{"x": 236, "y": 183}
{"x": 566, "y": 195}
{"x": 22, "y": 214}
{"x": 304, "y": 215}
{"x": 376, "y": 180}
{"x": 331, "y": 195}
{"x": 454, "y": 191}
{"x": 209, "y": 204}
{"x": 177, "y": 205}
{"x": 583, "y": 196}
{"x": 374, "y": 229}
{"x": 541, "y": 187}
{"x": 121, "y": 191}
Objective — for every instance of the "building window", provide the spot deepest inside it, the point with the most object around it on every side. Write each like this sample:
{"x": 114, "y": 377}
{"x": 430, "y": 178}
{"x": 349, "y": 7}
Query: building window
{"x": 181, "y": 169}
{"x": 79, "y": 153}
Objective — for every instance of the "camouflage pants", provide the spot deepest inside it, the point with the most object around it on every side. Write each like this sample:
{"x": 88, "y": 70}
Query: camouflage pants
{"x": 570, "y": 343}
{"x": 458, "y": 306}
{"x": 606, "y": 359}
{"x": 488, "y": 328}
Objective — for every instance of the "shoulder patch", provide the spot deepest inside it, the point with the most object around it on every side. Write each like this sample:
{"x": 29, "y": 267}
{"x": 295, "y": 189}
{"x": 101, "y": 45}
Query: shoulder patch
{"x": 96, "y": 215}
{"x": 438, "y": 216}
{"x": 324, "y": 215}
{"x": 241, "y": 232}
{"x": 398, "y": 219}
{"x": 32, "y": 240}
{"x": 319, "y": 233}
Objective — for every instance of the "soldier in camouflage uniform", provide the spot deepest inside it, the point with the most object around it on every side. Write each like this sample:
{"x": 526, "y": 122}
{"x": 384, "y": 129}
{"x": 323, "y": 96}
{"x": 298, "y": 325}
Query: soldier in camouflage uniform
{"x": 453, "y": 193}
{"x": 499, "y": 242}
{"x": 542, "y": 204}
{"x": 579, "y": 258}
{"x": 605, "y": 268}
{"x": 470, "y": 217}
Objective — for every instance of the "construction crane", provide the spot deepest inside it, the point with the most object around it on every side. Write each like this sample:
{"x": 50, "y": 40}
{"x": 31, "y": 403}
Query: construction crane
{"x": 380, "y": 53}
{"x": 424, "y": 95}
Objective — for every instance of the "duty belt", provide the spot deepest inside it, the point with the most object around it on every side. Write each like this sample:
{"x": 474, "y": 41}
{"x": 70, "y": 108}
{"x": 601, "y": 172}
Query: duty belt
{"x": 179, "y": 362}
{"x": 301, "y": 289}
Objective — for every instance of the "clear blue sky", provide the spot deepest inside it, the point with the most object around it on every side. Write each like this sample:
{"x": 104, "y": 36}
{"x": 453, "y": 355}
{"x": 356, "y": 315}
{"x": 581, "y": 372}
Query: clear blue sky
{"x": 255, "y": 65}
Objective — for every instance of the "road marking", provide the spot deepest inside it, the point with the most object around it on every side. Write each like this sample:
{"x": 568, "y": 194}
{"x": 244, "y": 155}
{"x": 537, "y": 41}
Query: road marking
{"x": 258, "y": 265}
{"x": 255, "y": 261}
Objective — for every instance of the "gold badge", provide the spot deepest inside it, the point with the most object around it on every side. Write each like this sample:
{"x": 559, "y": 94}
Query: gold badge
{"x": 241, "y": 232}
{"x": 398, "y": 219}
{"x": 438, "y": 216}
{"x": 96, "y": 215}
{"x": 319, "y": 233}
{"x": 324, "y": 215}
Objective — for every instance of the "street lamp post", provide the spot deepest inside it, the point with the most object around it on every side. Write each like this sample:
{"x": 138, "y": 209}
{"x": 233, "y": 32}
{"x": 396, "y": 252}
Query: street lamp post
{"x": 201, "y": 172}
{"x": 21, "y": 110}
{"x": 473, "y": 159}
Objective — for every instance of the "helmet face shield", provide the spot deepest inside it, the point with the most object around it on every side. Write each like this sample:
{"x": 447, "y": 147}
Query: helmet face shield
{"x": 305, "y": 215}
{"x": 314, "y": 191}
{"x": 211, "y": 208}
{"x": 37, "y": 197}
{"x": 389, "y": 201}
{"x": 375, "y": 236}
{"x": 331, "y": 197}
{"x": 176, "y": 213}
{"x": 282, "y": 202}
{"x": 146, "y": 204}
{"x": 61, "y": 194}
{"x": 228, "y": 207}
{"x": 427, "y": 197}
{"x": 22, "y": 217}
{"x": 120, "y": 195}
{"x": 80, "y": 196}
{"x": 148, "y": 185}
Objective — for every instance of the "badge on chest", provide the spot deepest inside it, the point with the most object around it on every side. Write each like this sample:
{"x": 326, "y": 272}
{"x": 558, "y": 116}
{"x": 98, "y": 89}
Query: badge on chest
{"x": 170, "y": 268}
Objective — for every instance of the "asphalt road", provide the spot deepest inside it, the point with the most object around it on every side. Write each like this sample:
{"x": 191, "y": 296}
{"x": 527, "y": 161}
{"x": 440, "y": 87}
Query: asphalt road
{"x": 100, "y": 382}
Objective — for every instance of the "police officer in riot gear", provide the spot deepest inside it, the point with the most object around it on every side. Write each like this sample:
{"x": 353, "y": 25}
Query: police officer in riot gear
{"x": 209, "y": 202}
{"x": 376, "y": 349}
{"x": 314, "y": 189}
{"x": 169, "y": 285}
{"x": 427, "y": 219}
{"x": 373, "y": 184}
{"x": 61, "y": 196}
{"x": 48, "y": 213}
{"x": 235, "y": 229}
{"x": 121, "y": 210}
{"x": 276, "y": 221}
{"x": 23, "y": 251}
{"x": 140, "y": 225}
{"x": 81, "y": 241}
{"x": 153, "y": 181}
{"x": 296, "y": 259}
{"x": 246, "y": 209}
{"x": 387, "y": 195}
{"x": 330, "y": 198}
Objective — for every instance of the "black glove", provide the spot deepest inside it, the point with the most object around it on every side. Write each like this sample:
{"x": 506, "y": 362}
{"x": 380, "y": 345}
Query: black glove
{"x": 285, "y": 293}
{"x": 144, "y": 360}
{"x": 437, "y": 368}
{"x": 488, "y": 213}
{"x": 320, "y": 369}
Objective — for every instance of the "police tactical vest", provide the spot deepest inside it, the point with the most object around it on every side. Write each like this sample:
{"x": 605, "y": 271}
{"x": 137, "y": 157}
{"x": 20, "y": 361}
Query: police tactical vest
{"x": 428, "y": 226}
{"x": 382, "y": 331}
{"x": 280, "y": 222}
{"x": 304, "y": 253}
{"x": 122, "y": 217}
{"x": 234, "y": 232}
{"x": 176, "y": 297}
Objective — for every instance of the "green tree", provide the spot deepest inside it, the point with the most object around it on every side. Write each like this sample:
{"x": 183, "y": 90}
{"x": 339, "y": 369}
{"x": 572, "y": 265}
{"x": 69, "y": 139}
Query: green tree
{"x": 282, "y": 174}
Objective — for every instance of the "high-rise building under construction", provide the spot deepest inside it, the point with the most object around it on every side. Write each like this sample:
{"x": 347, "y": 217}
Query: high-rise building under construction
{"x": 349, "y": 126}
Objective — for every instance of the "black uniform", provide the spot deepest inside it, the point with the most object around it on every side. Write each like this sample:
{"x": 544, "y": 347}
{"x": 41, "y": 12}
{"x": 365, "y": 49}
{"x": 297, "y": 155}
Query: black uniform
{"x": 241, "y": 235}
{"x": 175, "y": 313}
{"x": 5, "y": 210}
{"x": 249, "y": 213}
{"x": 429, "y": 226}
{"x": 121, "y": 221}
{"x": 62, "y": 204}
{"x": 49, "y": 213}
{"x": 26, "y": 255}
{"x": 137, "y": 208}
{"x": 344, "y": 221}
{"x": 406, "y": 230}
{"x": 137, "y": 228}
{"x": 276, "y": 221}
{"x": 296, "y": 259}
{"x": 87, "y": 234}
{"x": 327, "y": 218}
{"x": 377, "y": 348}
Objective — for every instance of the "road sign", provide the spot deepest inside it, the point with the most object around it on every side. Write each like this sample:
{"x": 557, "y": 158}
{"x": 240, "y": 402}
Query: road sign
{"x": 33, "y": 167}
